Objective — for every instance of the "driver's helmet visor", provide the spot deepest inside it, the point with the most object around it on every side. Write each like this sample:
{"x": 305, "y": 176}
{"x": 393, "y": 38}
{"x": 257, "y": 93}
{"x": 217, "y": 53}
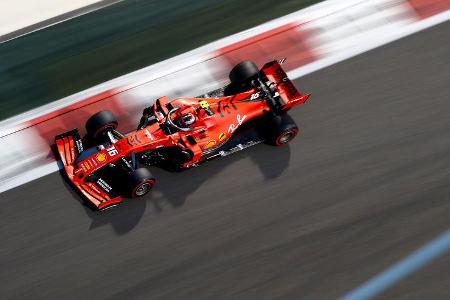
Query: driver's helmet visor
{"x": 187, "y": 119}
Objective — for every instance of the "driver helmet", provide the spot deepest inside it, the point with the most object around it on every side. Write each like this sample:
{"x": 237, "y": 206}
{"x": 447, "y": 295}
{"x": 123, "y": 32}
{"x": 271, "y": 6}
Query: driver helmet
{"x": 186, "y": 120}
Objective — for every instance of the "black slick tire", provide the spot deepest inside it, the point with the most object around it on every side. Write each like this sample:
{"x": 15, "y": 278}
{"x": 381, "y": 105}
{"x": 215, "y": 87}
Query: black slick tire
{"x": 281, "y": 130}
{"x": 140, "y": 182}
{"x": 99, "y": 123}
{"x": 243, "y": 72}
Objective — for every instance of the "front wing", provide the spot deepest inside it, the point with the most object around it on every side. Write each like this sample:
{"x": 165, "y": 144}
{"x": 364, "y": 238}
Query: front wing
{"x": 99, "y": 192}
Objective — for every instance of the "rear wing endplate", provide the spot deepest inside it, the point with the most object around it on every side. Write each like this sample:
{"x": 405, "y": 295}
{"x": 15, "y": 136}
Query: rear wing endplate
{"x": 285, "y": 87}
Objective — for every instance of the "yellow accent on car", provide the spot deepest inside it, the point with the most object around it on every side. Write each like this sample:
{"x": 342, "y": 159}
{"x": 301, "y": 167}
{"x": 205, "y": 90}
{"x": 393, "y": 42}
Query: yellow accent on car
{"x": 101, "y": 157}
{"x": 210, "y": 144}
{"x": 204, "y": 104}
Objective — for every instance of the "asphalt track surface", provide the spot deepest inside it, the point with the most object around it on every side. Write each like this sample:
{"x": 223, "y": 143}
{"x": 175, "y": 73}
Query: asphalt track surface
{"x": 367, "y": 183}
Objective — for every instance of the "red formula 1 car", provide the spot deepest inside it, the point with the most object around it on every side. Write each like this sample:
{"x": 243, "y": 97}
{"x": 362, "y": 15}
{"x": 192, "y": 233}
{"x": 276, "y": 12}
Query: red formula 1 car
{"x": 179, "y": 134}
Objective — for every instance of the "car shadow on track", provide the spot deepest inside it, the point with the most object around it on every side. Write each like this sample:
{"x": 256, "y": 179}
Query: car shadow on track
{"x": 270, "y": 160}
{"x": 175, "y": 187}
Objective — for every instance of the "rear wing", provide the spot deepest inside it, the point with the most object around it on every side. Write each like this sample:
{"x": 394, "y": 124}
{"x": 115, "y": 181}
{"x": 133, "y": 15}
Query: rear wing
{"x": 287, "y": 91}
{"x": 98, "y": 191}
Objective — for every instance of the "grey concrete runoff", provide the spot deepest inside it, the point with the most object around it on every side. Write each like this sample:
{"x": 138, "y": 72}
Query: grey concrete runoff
{"x": 365, "y": 184}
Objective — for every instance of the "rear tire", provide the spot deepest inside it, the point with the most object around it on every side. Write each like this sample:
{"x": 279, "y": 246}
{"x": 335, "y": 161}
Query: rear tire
{"x": 99, "y": 123}
{"x": 140, "y": 182}
{"x": 243, "y": 72}
{"x": 282, "y": 129}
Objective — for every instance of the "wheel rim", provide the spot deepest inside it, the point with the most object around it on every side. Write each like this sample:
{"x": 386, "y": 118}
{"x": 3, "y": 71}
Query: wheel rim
{"x": 103, "y": 129}
{"x": 286, "y": 137}
{"x": 143, "y": 189}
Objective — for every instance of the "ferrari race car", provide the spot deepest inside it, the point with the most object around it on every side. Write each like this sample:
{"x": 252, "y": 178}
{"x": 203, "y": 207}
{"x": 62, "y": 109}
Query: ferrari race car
{"x": 106, "y": 164}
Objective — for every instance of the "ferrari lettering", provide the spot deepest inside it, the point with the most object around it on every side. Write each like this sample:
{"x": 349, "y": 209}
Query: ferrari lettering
{"x": 93, "y": 162}
{"x": 85, "y": 167}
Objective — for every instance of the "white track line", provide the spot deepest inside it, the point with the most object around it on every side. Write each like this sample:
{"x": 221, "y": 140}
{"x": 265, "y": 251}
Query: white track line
{"x": 401, "y": 269}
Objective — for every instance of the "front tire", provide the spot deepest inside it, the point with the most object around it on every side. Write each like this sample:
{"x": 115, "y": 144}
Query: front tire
{"x": 140, "y": 182}
{"x": 282, "y": 130}
{"x": 100, "y": 123}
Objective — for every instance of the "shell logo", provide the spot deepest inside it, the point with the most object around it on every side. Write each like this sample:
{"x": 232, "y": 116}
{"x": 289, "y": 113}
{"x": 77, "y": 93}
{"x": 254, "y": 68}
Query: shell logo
{"x": 101, "y": 157}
